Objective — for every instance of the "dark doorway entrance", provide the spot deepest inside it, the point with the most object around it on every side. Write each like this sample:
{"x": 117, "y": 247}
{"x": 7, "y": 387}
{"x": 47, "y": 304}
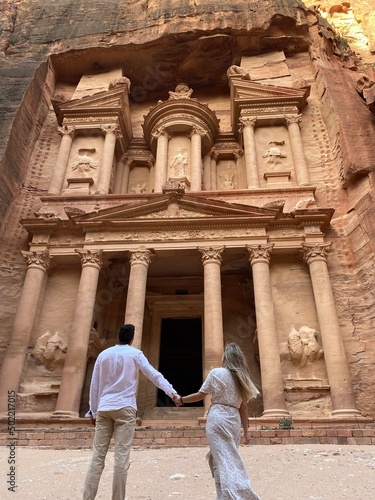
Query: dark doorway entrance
{"x": 181, "y": 357}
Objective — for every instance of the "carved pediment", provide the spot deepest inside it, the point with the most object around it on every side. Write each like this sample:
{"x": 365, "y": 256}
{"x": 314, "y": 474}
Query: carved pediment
{"x": 108, "y": 107}
{"x": 176, "y": 206}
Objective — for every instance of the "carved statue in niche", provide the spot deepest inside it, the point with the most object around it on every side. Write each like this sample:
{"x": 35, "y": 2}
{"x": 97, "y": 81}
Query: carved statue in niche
{"x": 85, "y": 164}
{"x": 50, "y": 349}
{"x": 274, "y": 154}
{"x": 182, "y": 91}
{"x": 180, "y": 163}
{"x": 303, "y": 346}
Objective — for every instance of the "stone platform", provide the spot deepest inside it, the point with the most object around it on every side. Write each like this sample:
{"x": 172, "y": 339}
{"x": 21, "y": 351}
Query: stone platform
{"x": 186, "y": 430}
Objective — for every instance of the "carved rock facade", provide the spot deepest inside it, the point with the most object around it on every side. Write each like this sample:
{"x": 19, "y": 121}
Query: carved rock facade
{"x": 223, "y": 196}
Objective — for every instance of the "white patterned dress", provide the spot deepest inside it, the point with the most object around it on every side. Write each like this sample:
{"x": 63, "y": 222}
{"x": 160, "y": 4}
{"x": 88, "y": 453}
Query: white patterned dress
{"x": 223, "y": 430}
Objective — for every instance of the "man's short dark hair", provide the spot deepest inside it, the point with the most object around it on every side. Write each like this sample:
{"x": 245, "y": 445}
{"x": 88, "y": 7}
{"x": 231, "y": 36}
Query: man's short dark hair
{"x": 126, "y": 334}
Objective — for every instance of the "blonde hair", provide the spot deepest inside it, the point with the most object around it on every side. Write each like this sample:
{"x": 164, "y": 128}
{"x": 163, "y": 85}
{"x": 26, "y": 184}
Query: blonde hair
{"x": 234, "y": 360}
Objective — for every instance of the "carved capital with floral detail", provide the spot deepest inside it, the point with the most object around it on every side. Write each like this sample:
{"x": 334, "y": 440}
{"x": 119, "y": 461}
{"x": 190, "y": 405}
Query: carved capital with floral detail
{"x": 109, "y": 129}
{"x": 259, "y": 253}
{"x": 66, "y": 130}
{"x": 289, "y": 120}
{"x": 211, "y": 255}
{"x": 141, "y": 256}
{"x": 161, "y": 131}
{"x": 37, "y": 260}
{"x": 91, "y": 258}
{"x": 247, "y": 122}
{"x": 315, "y": 252}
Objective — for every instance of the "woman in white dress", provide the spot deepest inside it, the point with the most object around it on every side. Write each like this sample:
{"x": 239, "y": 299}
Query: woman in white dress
{"x": 230, "y": 388}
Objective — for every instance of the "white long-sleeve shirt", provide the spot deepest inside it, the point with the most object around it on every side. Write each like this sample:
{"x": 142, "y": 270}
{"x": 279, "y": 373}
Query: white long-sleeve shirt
{"x": 115, "y": 378}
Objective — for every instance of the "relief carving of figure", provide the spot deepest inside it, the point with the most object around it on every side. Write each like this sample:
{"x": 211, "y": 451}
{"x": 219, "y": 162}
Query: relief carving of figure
{"x": 84, "y": 165}
{"x": 50, "y": 349}
{"x": 227, "y": 181}
{"x": 180, "y": 163}
{"x": 274, "y": 156}
{"x": 139, "y": 188}
{"x": 303, "y": 346}
{"x": 182, "y": 91}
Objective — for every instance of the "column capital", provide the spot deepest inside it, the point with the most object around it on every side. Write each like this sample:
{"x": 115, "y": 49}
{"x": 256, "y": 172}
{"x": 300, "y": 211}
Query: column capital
{"x": 109, "y": 129}
{"x": 259, "y": 253}
{"x": 315, "y": 252}
{"x": 247, "y": 122}
{"x": 161, "y": 131}
{"x": 141, "y": 256}
{"x": 91, "y": 258}
{"x": 211, "y": 254}
{"x": 197, "y": 130}
{"x": 238, "y": 153}
{"x": 293, "y": 119}
{"x": 68, "y": 130}
{"x": 214, "y": 154}
{"x": 37, "y": 260}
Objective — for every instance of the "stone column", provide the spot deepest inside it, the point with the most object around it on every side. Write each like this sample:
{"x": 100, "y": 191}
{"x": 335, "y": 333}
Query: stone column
{"x": 161, "y": 161}
{"x": 247, "y": 126}
{"x": 214, "y": 157}
{"x": 213, "y": 314}
{"x": 105, "y": 172}
{"x": 343, "y": 403}
{"x": 135, "y": 302}
{"x": 74, "y": 371}
{"x": 299, "y": 160}
{"x": 11, "y": 370}
{"x": 207, "y": 172}
{"x": 58, "y": 175}
{"x": 119, "y": 175}
{"x": 272, "y": 380}
{"x": 125, "y": 176}
{"x": 196, "y": 159}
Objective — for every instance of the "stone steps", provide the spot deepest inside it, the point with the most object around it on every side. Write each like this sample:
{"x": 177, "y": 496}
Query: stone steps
{"x": 78, "y": 434}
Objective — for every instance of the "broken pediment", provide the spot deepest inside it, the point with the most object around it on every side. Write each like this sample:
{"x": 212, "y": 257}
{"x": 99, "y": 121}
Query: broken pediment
{"x": 263, "y": 101}
{"x": 176, "y": 206}
{"x": 110, "y": 107}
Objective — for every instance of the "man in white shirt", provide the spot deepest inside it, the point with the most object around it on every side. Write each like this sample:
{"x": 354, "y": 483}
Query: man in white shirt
{"x": 113, "y": 408}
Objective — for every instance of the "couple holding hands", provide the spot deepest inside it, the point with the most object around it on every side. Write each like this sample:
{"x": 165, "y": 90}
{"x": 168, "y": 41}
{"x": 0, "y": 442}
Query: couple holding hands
{"x": 113, "y": 411}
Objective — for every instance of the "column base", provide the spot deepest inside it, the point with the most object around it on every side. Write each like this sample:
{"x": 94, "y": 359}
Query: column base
{"x": 64, "y": 414}
{"x": 346, "y": 413}
{"x": 276, "y": 412}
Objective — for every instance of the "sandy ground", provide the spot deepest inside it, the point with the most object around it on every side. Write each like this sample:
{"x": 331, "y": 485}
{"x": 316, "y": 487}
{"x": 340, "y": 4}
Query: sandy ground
{"x": 297, "y": 472}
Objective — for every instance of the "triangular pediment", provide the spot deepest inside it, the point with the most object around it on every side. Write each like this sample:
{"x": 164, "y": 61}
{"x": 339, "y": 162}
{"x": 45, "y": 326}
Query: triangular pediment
{"x": 178, "y": 207}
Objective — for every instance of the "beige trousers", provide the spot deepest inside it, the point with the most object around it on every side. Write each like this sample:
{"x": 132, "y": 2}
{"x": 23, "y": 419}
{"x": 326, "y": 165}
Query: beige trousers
{"x": 121, "y": 425}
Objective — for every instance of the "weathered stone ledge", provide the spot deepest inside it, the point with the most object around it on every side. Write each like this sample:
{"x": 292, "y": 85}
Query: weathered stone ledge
{"x": 188, "y": 436}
